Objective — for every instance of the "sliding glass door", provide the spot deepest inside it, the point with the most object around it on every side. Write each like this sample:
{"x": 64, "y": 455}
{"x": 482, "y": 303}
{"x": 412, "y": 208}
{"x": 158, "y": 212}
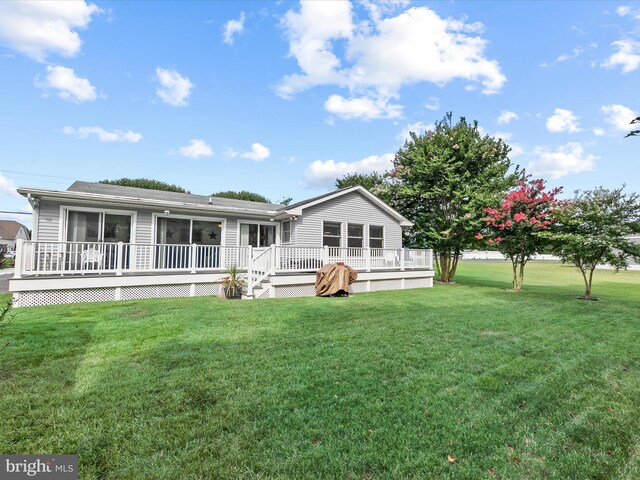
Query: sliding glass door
{"x": 88, "y": 230}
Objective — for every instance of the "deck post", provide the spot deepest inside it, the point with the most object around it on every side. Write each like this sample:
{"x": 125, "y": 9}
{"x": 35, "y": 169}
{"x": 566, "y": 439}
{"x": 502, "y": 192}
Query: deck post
{"x": 194, "y": 257}
{"x": 274, "y": 259}
{"x": 250, "y": 271}
{"x": 17, "y": 273}
{"x": 325, "y": 255}
{"x": 367, "y": 259}
{"x": 119, "y": 259}
{"x": 402, "y": 258}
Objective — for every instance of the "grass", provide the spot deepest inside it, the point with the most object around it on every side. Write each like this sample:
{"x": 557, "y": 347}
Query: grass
{"x": 381, "y": 385}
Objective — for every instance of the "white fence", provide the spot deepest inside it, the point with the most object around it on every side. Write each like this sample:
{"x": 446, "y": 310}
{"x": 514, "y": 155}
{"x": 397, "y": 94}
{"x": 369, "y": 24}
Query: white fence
{"x": 73, "y": 258}
{"x": 493, "y": 255}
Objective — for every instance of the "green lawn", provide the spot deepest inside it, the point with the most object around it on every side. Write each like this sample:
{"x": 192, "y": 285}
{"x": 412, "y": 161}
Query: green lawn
{"x": 381, "y": 385}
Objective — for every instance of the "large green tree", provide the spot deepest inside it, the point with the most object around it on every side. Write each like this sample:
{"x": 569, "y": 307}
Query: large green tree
{"x": 377, "y": 183}
{"x": 595, "y": 228}
{"x": 146, "y": 183}
{"x": 242, "y": 195}
{"x": 445, "y": 178}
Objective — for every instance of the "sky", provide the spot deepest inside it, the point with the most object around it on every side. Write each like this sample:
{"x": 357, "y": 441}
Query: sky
{"x": 281, "y": 98}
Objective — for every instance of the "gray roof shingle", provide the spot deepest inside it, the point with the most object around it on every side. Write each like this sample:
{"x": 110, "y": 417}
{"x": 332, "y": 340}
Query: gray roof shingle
{"x": 160, "y": 195}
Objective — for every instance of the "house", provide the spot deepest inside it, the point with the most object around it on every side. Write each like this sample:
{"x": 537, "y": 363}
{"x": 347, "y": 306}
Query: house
{"x": 100, "y": 242}
{"x": 10, "y": 232}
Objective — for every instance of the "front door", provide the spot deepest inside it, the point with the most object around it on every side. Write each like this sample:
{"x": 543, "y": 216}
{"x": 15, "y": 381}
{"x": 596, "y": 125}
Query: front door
{"x": 257, "y": 235}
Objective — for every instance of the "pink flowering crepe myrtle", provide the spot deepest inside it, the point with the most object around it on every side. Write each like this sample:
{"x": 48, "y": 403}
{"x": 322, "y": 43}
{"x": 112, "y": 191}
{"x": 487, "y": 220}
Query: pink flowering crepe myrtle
{"x": 515, "y": 227}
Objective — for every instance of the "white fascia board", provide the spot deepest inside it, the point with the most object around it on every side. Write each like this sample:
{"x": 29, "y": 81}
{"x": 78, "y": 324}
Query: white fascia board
{"x": 139, "y": 202}
{"x": 403, "y": 221}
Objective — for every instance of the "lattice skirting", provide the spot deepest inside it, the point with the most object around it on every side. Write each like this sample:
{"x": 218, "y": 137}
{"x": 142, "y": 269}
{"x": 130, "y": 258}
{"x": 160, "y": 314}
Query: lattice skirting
{"x": 55, "y": 297}
{"x": 292, "y": 291}
{"x": 191, "y": 289}
{"x": 109, "y": 294}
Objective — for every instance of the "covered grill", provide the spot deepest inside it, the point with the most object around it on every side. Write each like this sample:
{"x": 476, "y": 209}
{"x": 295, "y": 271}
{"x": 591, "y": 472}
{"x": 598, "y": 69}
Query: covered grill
{"x": 334, "y": 279}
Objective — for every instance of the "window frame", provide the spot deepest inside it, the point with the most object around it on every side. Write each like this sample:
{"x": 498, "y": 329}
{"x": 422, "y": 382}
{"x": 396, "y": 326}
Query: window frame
{"x": 376, "y": 238}
{"x": 349, "y": 237}
{"x": 339, "y": 236}
{"x": 282, "y": 234}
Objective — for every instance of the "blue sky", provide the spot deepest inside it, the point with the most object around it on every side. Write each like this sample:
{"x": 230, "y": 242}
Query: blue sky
{"x": 281, "y": 98}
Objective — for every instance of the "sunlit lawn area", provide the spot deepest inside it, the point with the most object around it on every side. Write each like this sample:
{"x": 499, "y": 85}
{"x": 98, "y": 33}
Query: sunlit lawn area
{"x": 380, "y": 385}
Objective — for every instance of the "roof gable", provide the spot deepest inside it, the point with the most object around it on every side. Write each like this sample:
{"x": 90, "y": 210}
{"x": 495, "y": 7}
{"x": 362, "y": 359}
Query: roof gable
{"x": 297, "y": 208}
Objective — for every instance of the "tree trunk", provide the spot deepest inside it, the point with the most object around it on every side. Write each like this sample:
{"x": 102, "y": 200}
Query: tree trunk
{"x": 447, "y": 265}
{"x": 518, "y": 264}
{"x": 587, "y": 282}
{"x": 514, "y": 265}
{"x": 521, "y": 274}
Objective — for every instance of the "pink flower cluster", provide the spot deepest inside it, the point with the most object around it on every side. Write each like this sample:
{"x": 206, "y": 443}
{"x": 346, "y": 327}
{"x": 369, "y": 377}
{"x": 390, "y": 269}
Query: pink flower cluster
{"x": 528, "y": 208}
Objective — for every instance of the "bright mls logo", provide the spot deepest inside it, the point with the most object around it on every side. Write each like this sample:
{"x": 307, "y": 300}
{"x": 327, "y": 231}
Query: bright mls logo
{"x": 49, "y": 467}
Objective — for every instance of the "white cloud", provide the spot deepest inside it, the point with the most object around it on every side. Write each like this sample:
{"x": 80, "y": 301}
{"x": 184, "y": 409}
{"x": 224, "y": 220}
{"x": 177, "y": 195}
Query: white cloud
{"x": 568, "y": 56}
{"x": 623, "y": 10}
{"x": 627, "y": 56}
{"x": 363, "y": 108}
{"x": 375, "y": 59}
{"x": 258, "y": 153}
{"x": 598, "y": 132}
{"x": 563, "y": 121}
{"x": 323, "y": 174}
{"x": 505, "y": 136}
{"x": 231, "y": 28}
{"x": 103, "y": 135}
{"x": 37, "y": 28}
{"x": 419, "y": 46}
{"x": 432, "y": 104}
{"x": 506, "y": 117}
{"x": 174, "y": 89}
{"x": 516, "y": 150}
{"x": 419, "y": 128}
{"x": 67, "y": 84}
{"x": 310, "y": 32}
{"x": 564, "y": 160}
{"x": 196, "y": 148}
{"x": 618, "y": 116}
{"x": 7, "y": 187}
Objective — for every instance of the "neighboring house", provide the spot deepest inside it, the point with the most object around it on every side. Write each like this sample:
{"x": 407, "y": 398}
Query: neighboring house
{"x": 10, "y": 232}
{"x": 105, "y": 242}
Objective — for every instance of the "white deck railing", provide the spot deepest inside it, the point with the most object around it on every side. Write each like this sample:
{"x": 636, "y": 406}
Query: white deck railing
{"x": 74, "y": 258}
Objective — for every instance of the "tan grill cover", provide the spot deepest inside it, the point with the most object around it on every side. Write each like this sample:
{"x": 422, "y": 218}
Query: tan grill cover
{"x": 332, "y": 278}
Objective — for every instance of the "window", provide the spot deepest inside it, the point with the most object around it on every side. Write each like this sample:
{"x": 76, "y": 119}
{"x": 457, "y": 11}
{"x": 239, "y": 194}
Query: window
{"x": 286, "y": 231}
{"x": 257, "y": 235}
{"x": 355, "y": 236}
{"x": 331, "y": 234}
{"x": 376, "y": 237}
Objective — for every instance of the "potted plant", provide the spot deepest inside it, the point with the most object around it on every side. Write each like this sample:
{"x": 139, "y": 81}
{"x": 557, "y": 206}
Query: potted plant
{"x": 233, "y": 283}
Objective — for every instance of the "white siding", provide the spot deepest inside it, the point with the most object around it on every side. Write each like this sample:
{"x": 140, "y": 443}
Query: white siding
{"x": 48, "y": 221}
{"x": 349, "y": 208}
